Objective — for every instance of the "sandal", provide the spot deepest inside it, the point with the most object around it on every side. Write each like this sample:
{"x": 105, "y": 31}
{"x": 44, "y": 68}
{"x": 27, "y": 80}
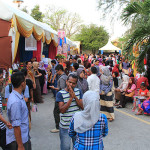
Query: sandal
{"x": 116, "y": 104}
{"x": 110, "y": 119}
{"x": 133, "y": 109}
{"x": 119, "y": 106}
{"x": 138, "y": 113}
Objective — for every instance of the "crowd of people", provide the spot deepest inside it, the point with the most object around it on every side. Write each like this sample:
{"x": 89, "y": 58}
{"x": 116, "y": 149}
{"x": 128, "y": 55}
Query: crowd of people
{"x": 85, "y": 87}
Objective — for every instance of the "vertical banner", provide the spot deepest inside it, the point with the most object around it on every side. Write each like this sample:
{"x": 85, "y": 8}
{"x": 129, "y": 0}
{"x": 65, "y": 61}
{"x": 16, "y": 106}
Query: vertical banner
{"x": 62, "y": 45}
{"x": 102, "y": 51}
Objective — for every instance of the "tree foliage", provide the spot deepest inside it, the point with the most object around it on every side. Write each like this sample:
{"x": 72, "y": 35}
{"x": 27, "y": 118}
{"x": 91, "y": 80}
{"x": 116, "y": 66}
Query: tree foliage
{"x": 139, "y": 12}
{"x": 92, "y": 37}
{"x": 25, "y": 9}
{"x": 37, "y": 14}
{"x": 62, "y": 19}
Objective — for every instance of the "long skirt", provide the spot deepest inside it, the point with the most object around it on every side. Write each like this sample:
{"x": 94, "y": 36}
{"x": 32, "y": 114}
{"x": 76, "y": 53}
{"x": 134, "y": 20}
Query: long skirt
{"x": 146, "y": 107}
{"x": 37, "y": 92}
{"x": 118, "y": 95}
{"x": 106, "y": 102}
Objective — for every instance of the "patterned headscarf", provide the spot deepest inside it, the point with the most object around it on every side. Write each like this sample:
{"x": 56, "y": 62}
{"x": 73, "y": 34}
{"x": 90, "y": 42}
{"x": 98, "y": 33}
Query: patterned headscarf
{"x": 106, "y": 76}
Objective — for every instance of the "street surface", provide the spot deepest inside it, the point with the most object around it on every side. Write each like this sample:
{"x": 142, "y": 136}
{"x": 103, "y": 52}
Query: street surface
{"x": 127, "y": 132}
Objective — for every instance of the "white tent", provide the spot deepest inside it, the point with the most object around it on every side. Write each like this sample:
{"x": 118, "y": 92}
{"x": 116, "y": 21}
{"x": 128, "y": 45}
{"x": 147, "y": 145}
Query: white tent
{"x": 109, "y": 47}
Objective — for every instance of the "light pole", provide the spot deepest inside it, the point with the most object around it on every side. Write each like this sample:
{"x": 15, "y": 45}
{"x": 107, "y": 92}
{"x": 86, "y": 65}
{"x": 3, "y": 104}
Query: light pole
{"x": 18, "y": 2}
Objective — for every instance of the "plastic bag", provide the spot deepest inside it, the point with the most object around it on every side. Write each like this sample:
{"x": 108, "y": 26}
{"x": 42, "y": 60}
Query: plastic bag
{"x": 34, "y": 108}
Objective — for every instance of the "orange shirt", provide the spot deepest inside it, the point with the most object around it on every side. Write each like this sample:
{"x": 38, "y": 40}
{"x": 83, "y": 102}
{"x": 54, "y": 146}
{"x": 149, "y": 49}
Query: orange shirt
{"x": 143, "y": 93}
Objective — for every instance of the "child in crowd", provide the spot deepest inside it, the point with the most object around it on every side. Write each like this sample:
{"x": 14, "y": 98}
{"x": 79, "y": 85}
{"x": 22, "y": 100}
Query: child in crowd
{"x": 140, "y": 97}
{"x": 145, "y": 106}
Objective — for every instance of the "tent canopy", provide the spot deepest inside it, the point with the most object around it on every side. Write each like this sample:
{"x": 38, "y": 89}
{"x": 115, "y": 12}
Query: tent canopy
{"x": 27, "y": 24}
{"x": 109, "y": 47}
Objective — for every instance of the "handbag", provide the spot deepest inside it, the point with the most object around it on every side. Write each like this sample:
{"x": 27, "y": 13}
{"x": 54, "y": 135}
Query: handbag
{"x": 130, "y": 94}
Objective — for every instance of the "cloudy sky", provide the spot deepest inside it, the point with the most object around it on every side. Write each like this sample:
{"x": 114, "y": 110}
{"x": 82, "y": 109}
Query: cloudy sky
{"x": 87, "y": 9}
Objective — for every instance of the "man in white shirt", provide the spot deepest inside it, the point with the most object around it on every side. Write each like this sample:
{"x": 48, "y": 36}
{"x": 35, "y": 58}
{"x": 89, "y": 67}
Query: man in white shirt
{"x": 94, "y": 81}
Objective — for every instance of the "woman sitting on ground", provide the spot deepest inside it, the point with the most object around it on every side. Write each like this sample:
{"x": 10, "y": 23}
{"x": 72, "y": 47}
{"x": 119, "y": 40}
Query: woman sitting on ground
{"x": 145, "y": 106}
{"x": 89, "y": 126}
{"x": 121, "y": 89}
{"x": 128, "y": 94}
{"x": 142, "y": 95}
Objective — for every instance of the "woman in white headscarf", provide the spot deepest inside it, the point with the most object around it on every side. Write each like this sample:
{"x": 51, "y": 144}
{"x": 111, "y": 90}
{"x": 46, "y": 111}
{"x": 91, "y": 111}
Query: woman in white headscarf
{"x": 89, "y": 126}
{"x": 121, "y": 89}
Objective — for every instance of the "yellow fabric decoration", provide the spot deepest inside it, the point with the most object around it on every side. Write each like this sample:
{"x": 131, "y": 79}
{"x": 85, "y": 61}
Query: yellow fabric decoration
{"x": 52, "y": 35}
{"x": 12, "y": 23}
{"x": 36, "y": 36}
{"x": 48, "y": 41}
{"x": 22, "y": 31}
{"x": 16, "y": 44}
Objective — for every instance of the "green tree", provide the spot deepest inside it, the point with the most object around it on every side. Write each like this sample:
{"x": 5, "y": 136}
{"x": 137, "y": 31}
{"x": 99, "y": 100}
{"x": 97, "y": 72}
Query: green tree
{"x": 62, "y": 19}
{"x": 37, "y": 14}
{"x": 92, "y": 37}
{"x": 25, "y": 9}
{"x": 139, "y": 12}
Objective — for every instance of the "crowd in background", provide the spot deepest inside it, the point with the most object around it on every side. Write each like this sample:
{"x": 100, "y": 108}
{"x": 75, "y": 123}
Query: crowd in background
{"x": 85, "y": 87}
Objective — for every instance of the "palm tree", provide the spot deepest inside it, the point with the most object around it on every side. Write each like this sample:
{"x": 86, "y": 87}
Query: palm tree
{"x": 138, "y": 12}
{"x": 113, "y": 6}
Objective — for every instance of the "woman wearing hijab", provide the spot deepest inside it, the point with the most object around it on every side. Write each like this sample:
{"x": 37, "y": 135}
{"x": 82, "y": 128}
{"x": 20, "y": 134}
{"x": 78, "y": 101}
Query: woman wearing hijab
{"x": 82, "y": 83}
{"x": 116, "y": 69}
{"x": 42, "y": 78}
{"x": 121, "y": 89}
{"x": 129, "y": 93}
{"x": 89, "y": 126}
{"x": 37, "y": 90}
{"x": 106, "y": 98}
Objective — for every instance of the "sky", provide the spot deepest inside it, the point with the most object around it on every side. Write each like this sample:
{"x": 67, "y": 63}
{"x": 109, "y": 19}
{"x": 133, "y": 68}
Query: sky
{"x": 87, "y": 9}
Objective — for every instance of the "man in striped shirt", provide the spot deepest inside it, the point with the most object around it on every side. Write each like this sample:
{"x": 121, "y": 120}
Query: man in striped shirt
{"x": 3, "y": 122}
{"x": 70, "y": 101}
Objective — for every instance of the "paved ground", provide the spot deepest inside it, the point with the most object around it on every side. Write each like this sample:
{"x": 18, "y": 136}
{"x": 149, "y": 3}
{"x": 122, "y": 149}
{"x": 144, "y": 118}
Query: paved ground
{"x": 127, "y": 132}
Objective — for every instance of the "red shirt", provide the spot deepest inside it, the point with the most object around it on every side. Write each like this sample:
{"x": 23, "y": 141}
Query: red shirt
{"x": 143, "y": 93}
{"x": 140, "y": 80}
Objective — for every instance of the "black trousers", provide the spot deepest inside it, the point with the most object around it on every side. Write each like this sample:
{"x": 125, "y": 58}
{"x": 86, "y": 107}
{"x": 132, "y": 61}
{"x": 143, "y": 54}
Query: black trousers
{"x": 3, "y": 139}
{"x": 124, "y": 99}
{"x": 14, "y": 146}
{"x": 56, "y": 113}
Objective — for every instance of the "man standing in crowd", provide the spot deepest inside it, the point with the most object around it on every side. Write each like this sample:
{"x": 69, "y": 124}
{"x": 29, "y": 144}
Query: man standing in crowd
{"x": 80, "y": 65}
{"x": 71, "y": 62}
{"x": 94, "y": 81}
{"x": 61, "y": 84}
{"x": 30, "y": 73}
{"x": 75, "y": 68}
{"x": 97, "y": 67}
{"x": 70, "y": 101}
{"x": 9, "y": 88}
{"x": 17, "y": 111}
{"x": 54, "y": 76}
{"x": 3, "y": 122}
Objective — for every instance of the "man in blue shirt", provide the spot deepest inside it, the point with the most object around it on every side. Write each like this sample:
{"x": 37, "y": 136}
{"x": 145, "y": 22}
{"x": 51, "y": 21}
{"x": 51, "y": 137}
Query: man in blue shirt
{"x": 17, "y": 111}
{"x": 54, "y": 77}
{"x": 9, "y": 88}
